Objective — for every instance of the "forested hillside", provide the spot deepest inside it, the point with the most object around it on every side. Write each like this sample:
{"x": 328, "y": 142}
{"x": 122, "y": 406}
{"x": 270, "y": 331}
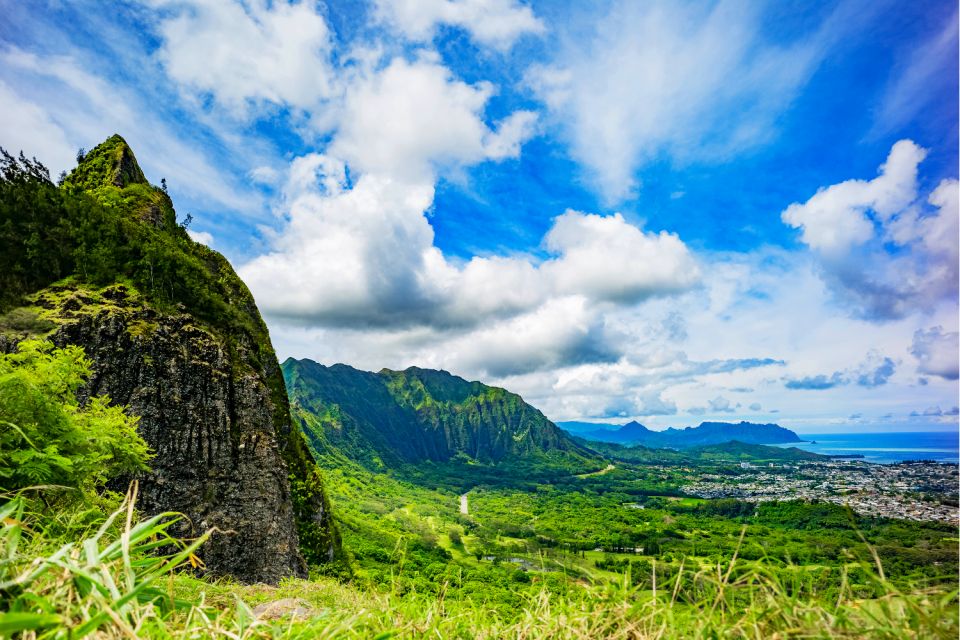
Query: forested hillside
{"x": 397, "y": 419}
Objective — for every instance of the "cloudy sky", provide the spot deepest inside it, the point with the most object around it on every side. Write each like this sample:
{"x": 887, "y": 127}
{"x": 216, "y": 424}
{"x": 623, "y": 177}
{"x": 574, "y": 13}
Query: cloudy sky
{"x": 670, "y": 211}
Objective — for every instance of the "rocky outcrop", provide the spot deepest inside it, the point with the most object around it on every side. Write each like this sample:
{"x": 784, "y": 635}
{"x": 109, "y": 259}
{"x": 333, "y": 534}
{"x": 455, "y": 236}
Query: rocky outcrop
{"x": 173, "y": 334}
{"x": 206, "y": 410}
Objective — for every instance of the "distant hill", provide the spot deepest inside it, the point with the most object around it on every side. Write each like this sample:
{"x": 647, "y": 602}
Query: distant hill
{"x": 707, "y": 433}
{"x": 394, "y": 418}
{"x": 725, "y": 452}
{"x": 743, "y": 451}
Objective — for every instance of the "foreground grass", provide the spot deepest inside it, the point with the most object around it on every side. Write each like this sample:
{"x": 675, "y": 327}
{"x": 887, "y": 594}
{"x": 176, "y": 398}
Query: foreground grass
{"x": 752, "y": 607}
{"x": 125, "y": 579}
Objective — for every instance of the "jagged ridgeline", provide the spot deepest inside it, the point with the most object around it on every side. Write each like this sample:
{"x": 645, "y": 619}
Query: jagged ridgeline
{"x": 101, "y": 262}
{"x": 395, "y": 418}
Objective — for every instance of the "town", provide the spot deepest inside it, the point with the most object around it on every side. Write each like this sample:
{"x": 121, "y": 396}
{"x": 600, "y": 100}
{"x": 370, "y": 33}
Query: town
{"x": 925, "y": 491}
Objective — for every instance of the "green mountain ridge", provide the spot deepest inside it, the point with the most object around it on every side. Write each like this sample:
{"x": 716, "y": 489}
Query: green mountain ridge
{"x": 390, "y": 418}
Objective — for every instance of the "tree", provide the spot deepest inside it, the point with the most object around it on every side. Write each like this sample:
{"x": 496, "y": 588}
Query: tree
{"x": 47, "y": 437}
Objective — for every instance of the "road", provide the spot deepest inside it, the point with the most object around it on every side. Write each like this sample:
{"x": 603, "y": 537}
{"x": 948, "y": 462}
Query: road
{"x": 608, "y": 469}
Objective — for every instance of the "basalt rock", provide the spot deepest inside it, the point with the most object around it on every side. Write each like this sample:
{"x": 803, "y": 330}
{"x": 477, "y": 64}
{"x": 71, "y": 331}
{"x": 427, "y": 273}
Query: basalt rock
{"x": 175, "y": 336}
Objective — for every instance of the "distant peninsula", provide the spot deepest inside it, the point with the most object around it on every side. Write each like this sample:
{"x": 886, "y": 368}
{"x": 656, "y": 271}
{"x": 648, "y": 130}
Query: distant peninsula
{"x": 707, "y": 433}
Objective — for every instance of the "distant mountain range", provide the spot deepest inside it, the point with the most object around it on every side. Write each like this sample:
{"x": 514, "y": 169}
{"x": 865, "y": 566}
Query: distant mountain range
{"x": 394, "y": 418}
{"x": 732, "y": 451}
{"x": 707, "y": 433}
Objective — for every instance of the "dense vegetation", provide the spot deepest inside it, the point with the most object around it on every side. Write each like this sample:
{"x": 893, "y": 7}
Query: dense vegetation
{"x": 106, "y": 223}
{"x": 421, "y": 418}
{"x": 567, "y": 533}
{"x": 47, "y": 438}
{"x": 73, "y": 247}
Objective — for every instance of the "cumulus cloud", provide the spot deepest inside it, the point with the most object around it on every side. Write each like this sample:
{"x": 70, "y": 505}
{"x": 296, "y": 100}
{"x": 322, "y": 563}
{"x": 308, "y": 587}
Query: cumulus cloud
{"x": 412, "y": 117}
{"x": 875, "y": 371}
{"x": 29, "y": 128}
{"x": 937, "y": 352}
{"x": 756, "y": 406}
{"x": 243, "y": 53}
{"x": 363, "y": 252}
{"x": 669, "y": 78}
{"x": 852, "y": 225}
{"x": 562, "y": 332}
{"x": 715, "y": 406}
{"x": 614, "y": 260}
{"x": 720, "y": 405}
{"x": 495, "y": 23}
{"x": 836, "y": 219}
{"x": 203, "y": 237}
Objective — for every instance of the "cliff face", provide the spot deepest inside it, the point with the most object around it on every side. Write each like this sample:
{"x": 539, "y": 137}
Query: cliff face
{"x": 174, "y": 334}
{"x": 395, "y": 417}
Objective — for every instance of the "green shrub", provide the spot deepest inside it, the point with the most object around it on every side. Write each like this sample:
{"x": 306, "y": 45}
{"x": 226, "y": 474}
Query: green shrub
{"x": 47, "y": 437}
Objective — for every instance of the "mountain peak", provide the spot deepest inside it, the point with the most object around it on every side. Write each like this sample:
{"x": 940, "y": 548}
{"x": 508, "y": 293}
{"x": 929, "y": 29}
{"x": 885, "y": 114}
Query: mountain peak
{"x": 110, "y": 163}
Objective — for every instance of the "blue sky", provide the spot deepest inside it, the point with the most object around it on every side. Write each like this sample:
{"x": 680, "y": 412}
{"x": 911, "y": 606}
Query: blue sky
{"x": 669, "y": 211}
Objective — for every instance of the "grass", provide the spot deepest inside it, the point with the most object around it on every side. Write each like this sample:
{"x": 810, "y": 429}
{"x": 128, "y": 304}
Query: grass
{"x": 752, "y": 606}
{"x": 126, "y": 579}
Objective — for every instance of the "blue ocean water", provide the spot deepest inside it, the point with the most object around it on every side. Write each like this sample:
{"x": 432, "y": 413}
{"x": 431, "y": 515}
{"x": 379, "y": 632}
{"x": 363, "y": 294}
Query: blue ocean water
{"x": 885, "y": 448}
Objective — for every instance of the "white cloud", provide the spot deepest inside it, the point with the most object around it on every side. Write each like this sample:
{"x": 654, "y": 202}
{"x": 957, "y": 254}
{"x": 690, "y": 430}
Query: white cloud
{"x": 562, "y": 332}
{"x": 848, "y": 225}
{"x": 835, "y": 219}
{"x": 348, "y": 254}
{"x": 29, "y": 128}
{"x": 414, "y": 117}
{"x": 203, "y": 237}
{"x": 495, "y": 23}
{"x": 752, "y": 320}
{"x": 88, "y": 108}
{"x": 251, "y": 52}
{"x": 364, "y": 253}
{"x": 936, "y": 351}
{"x": 264, "y": 175}
{"x": 656, "y": 79}
{"x": 613, "y": 260}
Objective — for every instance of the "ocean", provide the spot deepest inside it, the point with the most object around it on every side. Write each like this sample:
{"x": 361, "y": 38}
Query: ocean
{"x": 884, "y": 448}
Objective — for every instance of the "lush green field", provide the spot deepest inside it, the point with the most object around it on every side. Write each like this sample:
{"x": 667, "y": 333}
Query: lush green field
{"x": 616, "y": 552}
{"x": 417, "y": 574}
